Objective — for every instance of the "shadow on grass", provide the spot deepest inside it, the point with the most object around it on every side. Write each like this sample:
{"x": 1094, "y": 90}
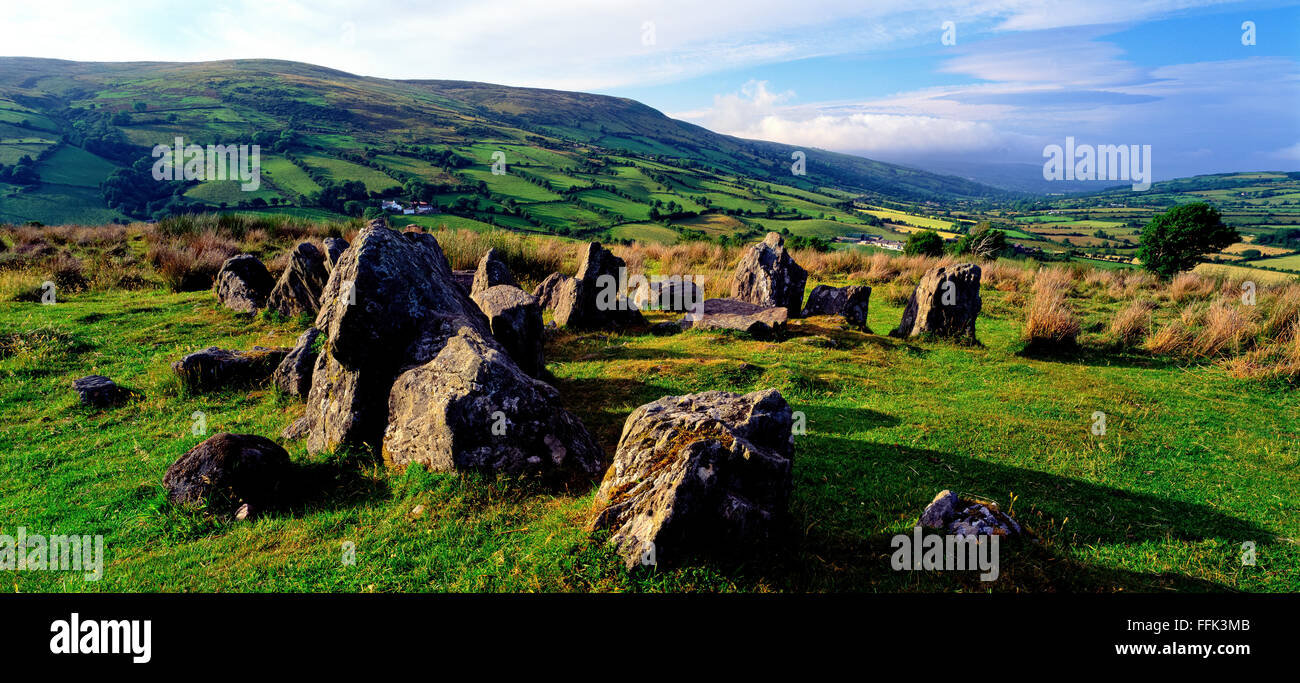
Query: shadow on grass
{"x": 846, "y": 491}
{"x": 1097, "y": 356}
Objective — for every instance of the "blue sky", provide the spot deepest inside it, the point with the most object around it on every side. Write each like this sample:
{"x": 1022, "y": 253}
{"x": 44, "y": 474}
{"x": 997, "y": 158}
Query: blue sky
{"x": 862, "y": 77}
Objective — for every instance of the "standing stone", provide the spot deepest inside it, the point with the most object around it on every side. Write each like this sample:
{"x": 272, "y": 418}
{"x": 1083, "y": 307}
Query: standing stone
{"x": 293, "y": 375}
{"x": 594, "y": 299}
{"x": 243, "y": 283}
{"x": 334, "y": 248}
{"x": 492, "y": 271}
{"x": 516, "y": 322}
{"x": 300, "y": 285}
{"x": 857, "y": 301}
{"x": 945, "y": 303}
{"x": 546, "y": 291}
{"x": 389, "y": 301}
{"x": 768, "y": 276}
{"x": 674, "y": 294}
{"x": 697, "y": 473}
{"x": 229, "y": 470}
{"x": 472, "y": 408}
{"x": 825, "y": 300}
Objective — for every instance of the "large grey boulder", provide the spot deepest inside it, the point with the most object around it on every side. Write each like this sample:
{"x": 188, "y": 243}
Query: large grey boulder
{"x": 471, "y": 408}
{"x": 300, "y": 285}
{"x": 492, "y": 271}
{"x": 825, "y": 300}
{"x": 945, "y": 303}
{"x": 384, "y": 296}
{"x": 547, "y": 290}
{"x": 293, "y": 375}
{"x": 675, "y": 294}
{"x": 516, "y": 322}
{"x": 768, "y": 276}
{"x": 594, "y": 299}
{"x": 334, "y": 248}
{"x": 228, "y": 471}
{"x": 215, "y": 368}
{"x": 243, "y": 283}
{"x": 857, "y": 302}
{"x": 763, "y": 322}
{"x": 698, "y": 473}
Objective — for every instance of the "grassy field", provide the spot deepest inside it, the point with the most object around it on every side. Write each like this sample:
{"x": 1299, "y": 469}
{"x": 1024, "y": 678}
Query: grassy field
{"x": 1193, "y": 462}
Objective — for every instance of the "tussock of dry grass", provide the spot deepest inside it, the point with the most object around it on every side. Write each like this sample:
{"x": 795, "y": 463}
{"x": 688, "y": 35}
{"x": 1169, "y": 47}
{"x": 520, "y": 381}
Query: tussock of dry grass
{"x": 1050, "y": 321}
{"x": 1132, "y": 323}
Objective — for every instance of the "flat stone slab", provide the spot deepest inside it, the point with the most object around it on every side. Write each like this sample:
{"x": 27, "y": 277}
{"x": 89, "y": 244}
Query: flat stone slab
{"x": 733, "y": 314}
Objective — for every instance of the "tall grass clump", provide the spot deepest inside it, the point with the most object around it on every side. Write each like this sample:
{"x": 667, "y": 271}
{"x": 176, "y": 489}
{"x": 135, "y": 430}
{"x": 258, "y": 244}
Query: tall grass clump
{"x": 1050, "y": 321}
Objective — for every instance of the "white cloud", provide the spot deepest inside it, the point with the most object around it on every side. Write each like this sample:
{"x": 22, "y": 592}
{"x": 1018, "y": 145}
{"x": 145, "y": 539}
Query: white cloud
{"x": 578, "y": 44}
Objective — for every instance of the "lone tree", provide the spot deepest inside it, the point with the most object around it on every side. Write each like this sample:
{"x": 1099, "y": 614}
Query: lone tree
{"x": 925, "y": 243}
{"x": 984, "y": 242}
{"x": 1174, "y": 240}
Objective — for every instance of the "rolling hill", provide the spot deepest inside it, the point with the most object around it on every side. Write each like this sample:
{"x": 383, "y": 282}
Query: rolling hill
{"x": 82, "y": 121}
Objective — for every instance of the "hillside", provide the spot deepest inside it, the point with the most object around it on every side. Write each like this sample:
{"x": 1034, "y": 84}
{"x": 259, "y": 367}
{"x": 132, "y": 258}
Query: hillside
{"x": 1197, "y": 457}
{"x": 81, "y": 121}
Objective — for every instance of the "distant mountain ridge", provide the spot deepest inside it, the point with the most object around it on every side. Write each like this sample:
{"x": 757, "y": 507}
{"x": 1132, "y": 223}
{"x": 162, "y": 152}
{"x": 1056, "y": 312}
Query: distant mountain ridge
{"x": 228, "y": 101}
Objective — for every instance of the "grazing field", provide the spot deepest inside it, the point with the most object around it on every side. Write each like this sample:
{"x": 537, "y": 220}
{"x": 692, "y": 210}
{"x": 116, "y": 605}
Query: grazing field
{"x": 339, "y": 170}
{"x": 1291, "y": 262}
{"x": 1194, "y": 460}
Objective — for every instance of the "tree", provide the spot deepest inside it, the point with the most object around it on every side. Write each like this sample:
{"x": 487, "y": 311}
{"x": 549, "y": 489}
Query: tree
{"x": 925, "y": 243}
{"x": 1174, "y": 240}
{"x": 984, "y": 242}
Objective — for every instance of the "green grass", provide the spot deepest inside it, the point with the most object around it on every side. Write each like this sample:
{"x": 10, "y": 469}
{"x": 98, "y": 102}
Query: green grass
{"x": 1290, "y": 262}
{"x": 53, "y": 205}
{"x": 75, "y": 166}
{"x": 230, "y": 192}
{"x": 1193, "y": 463}
{"x": 645, "y": 232}
{"x": 288, "y": 177}
{"x": 340, "y": 170}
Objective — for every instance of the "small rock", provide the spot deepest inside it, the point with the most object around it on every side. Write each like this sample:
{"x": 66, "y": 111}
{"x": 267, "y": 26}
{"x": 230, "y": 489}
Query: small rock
{"x": 244, "y": 512}
{"x": 293, "y": 375}
{"x": 968, "y": 517}
{"x": 243, "y": 283}
{"x": 665, "y": 329}
{"x": 857, "y": 302}
{"x": 492, "y": 271}
{"x": 215, "y": 368}
{"x": 516, "y": 322}
{"x": 825, "y": 300}
{"x": 98, "y": 391}
{"x": 296, "y": 429}
{"x": 229, "y": 470}
{"x": 301, "y": 283}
